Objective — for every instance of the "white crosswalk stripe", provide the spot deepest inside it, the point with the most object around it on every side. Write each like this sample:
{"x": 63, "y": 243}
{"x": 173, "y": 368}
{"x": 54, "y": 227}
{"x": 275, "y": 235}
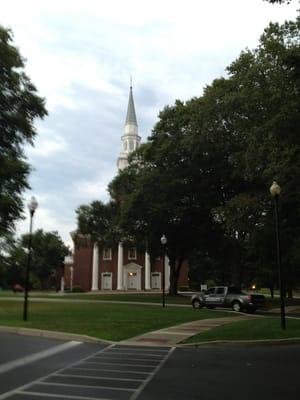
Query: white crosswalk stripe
{"x": 115, "y": 373}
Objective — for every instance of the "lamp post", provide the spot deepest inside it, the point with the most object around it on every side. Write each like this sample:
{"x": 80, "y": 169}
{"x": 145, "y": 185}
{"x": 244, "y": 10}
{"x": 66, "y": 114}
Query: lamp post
{"x": 275, "y": 191}
{"x": 32, "y": 206}
{"x": 163, "y": 241}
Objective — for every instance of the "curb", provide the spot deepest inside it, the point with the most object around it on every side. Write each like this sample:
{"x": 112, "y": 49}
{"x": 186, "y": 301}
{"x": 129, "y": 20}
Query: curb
{"x": 239, "y": 342}
{"x": 53, "y": 334}
{"x": 90, "y": 339}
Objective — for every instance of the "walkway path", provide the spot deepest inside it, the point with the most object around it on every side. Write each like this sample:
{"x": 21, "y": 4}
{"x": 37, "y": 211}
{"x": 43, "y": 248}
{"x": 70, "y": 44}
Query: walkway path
{"x": 174, "y": 334}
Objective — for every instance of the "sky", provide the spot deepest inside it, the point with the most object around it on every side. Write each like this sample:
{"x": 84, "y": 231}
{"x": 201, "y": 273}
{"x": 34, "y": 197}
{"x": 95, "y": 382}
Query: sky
{"x": 81, "y": 55}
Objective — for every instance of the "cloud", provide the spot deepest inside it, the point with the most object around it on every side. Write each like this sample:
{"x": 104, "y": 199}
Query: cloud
{"x": 81, "y": 54}
{"x": 47, "y": 145}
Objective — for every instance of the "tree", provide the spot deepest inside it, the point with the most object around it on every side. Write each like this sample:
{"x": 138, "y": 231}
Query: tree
{"x": 209, "y": 162}
{"x": 100, "y": 222}
{"x": 48, "y": 253}
{"x": 257, "y": 108}
{"x": 19, "y": 107}
{"x": 7, "y": 242}
{"x": 203, "y": 177}
{"x": 279, "y": 1}
{"x": 170, "y": 187}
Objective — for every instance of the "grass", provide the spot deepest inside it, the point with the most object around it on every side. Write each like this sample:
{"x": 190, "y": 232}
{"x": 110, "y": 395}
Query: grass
{"x": 104, "y": 321}
{"x": 140, "y": 297}
{"x": 132, "y": 297}
{"x": 254, "y": 329}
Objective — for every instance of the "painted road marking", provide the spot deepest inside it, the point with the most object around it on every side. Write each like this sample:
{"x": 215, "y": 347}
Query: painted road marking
{"x": 107, "y": 374}
{"x": 109, "y": 370}
{"x": 100, "y": 377}
{"x": 28, "y": 385}
{"x": 23, "y": 395}
{"x": 20, "y": 362}
{"x": 135, "y": 358}
{"x": 151, "y": 376}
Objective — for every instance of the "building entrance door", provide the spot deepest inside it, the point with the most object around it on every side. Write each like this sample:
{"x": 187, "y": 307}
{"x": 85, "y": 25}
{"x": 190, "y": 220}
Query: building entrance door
{"x": 132, "y": 280}
{"x": 155, "y": 280}
{"x": 107, "y": 281}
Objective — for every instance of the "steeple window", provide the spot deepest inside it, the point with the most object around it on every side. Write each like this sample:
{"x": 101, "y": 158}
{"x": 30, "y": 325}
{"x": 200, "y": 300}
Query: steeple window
{"x": 131, "y": 145}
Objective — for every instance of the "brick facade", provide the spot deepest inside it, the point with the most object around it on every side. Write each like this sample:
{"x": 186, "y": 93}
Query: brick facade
{"x": 82, "y": 270}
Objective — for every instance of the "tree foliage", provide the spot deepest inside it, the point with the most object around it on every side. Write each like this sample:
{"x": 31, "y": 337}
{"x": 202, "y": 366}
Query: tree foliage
{"x": 203, "y": 177}
{"x": 47, "y": 256}
{"x": 279, "y": 1}
{"x": 99, "y": 221}
{"x": 19, "y": 107}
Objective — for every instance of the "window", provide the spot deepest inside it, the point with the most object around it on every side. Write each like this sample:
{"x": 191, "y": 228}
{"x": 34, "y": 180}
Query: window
{"x": 132, "y": 253}
{"x": 220, "y": 290}
{"x": 131, "y": 145}
{"x": 210, "y": 291}
{"x": 107, "y": 253}
{"x": 234, "y": 290}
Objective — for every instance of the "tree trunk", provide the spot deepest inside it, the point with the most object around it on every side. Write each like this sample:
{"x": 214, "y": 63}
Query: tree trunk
{"x": 175, "y": 266}
{"x": 290, "y": 291}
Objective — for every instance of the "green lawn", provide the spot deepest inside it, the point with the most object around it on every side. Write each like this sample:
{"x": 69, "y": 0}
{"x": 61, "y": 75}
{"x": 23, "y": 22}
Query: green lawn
{"x": 104, "y": 321}
{"x": 254, "y": 329}
{"x": 141, "y": 297}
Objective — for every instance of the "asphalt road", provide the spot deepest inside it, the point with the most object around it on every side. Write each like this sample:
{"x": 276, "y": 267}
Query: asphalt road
{"x": 37, "y": 368}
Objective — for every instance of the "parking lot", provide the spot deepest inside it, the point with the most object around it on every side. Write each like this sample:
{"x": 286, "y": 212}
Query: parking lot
{"x": 115, "y": 372}
{"x": 34, "y": 368}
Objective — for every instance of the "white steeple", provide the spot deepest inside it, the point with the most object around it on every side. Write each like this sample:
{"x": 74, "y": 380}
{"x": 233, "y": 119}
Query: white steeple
{"x": 130, "y": 139}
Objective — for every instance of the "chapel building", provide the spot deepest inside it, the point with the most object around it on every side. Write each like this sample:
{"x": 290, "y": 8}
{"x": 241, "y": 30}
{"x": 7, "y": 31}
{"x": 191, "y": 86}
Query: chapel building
{"x": 122, "y": 268}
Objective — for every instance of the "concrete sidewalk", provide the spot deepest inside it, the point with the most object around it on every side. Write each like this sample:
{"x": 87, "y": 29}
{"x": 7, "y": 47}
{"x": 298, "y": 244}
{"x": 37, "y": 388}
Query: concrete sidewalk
{"x": 174, "y": 334}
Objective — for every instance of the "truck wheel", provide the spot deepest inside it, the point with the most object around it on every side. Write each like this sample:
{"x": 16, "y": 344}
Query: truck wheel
{"x": 196, "y": 303}
{"x": 236, "y": 306}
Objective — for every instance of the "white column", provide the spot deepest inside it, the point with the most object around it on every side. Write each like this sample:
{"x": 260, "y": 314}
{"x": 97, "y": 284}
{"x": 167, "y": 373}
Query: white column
{"x": 147, "y": 271}
{"x": 167, "y": 273}
{"x": 62, "y": 284}
{"x": 120, "y": 267}
{"x": 95, "y": 272}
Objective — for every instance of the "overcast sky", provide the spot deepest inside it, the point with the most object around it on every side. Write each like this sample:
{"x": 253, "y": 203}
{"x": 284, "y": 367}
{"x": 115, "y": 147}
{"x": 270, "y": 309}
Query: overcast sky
{"x": 80, "y": 55}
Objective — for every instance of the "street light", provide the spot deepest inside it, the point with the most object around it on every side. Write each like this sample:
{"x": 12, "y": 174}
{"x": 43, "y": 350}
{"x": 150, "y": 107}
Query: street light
{"x": 275, "y": 191}
{"x": 32, "y": 206}
{"x": 163, "y": 241}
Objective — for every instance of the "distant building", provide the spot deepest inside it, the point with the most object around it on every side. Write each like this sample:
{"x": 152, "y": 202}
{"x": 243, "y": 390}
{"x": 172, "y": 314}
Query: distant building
{"x": 120, "y": 268}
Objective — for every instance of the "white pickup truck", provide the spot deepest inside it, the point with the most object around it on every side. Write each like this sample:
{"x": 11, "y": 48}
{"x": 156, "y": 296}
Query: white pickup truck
{"x": 228, "y": 296}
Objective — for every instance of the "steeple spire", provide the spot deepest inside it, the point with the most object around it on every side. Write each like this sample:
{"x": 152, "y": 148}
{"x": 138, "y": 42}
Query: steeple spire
{"x": 130, "y": 139}
{"x": 131, "y": 116}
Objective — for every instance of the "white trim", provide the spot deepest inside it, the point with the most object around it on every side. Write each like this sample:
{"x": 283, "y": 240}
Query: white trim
{"x": 109, "y": 251}
{"x": 132, "y": 268}
{"x": 135, "y": 253}
{"x": 120, "y": 267}
{"x": 103, "y": 275}
{"x": 159, "y": 275}
{"x": 167, "y": 273}
{"x": 147, "y": 271}
{"x": 95, "y": 271}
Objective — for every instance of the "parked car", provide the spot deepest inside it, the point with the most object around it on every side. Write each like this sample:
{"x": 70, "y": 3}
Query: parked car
{"x": 228, "y": 296}
{"x": 17, "y": 288}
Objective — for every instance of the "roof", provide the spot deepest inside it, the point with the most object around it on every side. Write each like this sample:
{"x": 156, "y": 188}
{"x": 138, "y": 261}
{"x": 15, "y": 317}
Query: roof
{"x": 131, "y": 117}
